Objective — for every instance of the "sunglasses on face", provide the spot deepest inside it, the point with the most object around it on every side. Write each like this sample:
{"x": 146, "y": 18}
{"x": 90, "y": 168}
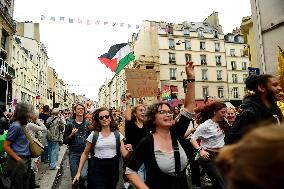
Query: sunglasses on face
{"x": 164, "y": 112}
{"x": 102, "y": 117}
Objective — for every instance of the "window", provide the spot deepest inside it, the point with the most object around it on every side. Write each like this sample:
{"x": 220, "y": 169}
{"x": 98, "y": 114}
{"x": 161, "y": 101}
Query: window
{"x": 149, "y": 67}
{"x": 220, "y": 92}
{"x": 171, "y": 44}
{"x": 200, "y": 32}
{"x": 245, "y": 76}
{"x": 24, "y": 80}
{"x": 215, "y": 33}
{"x": 4, "y": 39}
{"x": 203, "y": 59}
{"x": 232, "y": 52}
{"x": 218, "y": 60}
{"x": 187, "y": 57}
{"x": 244, "y": 66}
{"x": 204, "y": 74}
{"x": 233, "y": 64}
{"x": 242, "y": 53}
{"x": 173, "y": 73}
{"x": 217, "y": 47}
{"x": 18, "y": 56}
{"x": 186, "y": 31}
{"x": 187, "y": 45}
{"x": 219, "y": 74}
{"x": 202, "y": 45}
{"x": 235, "y": 78}
{"x": 172, "y": 58}
{"x": 235, "y": 92}
{"x": 170, "y": 29}
{"x": 205, "y": 92}
{"x": 14, "y": 53}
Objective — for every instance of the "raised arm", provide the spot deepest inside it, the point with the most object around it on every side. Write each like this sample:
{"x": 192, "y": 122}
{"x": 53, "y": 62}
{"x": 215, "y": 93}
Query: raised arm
{"x": 189, "y": 100}
{"x": 127, "y": 113}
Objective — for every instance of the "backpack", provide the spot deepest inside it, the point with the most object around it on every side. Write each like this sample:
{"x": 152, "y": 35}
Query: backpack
{"x": 95, "y": 139}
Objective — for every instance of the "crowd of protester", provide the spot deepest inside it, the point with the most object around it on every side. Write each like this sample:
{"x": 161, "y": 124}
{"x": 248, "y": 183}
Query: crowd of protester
{"x": 162, "y": 147}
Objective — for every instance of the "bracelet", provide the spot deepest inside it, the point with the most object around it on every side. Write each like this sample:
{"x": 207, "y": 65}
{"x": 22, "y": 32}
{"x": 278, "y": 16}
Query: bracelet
{"x": 129, "y": 102}
{"x": 190, "y": 80}
{"x": 199, "y": 149}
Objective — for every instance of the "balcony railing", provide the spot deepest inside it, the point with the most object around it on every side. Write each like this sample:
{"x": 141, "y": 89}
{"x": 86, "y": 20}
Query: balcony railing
{"x": 4, "y": 12}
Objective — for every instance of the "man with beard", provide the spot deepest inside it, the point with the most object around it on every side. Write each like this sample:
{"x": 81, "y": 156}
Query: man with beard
{"x": 258, "y": 109}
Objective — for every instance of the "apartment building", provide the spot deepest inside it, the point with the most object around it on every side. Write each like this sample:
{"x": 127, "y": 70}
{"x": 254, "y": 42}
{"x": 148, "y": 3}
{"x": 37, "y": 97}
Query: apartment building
{"x": 29, "y": 34}
{"x": 25, "y": 85}
{"x": 7, "y": 72}
{"x": 237, "y": 67}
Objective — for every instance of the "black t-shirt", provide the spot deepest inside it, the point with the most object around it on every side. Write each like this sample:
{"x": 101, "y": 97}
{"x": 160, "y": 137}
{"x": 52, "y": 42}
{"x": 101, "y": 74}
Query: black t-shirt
{"x": 134, "y": 134}
{"x": 44, "y": 117}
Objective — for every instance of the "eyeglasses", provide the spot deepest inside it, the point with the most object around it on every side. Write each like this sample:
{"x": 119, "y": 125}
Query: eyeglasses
{"x": 164, "y": 112}
{"x": 102, "y": 117}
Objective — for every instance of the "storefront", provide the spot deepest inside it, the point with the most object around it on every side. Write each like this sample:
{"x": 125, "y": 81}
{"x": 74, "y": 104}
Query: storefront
{"x": 7, "y": 73}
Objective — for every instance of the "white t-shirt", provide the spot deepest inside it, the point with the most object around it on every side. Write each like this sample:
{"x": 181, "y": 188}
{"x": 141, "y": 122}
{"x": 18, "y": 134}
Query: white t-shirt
{"x": 105, "y": 146}
{"x": 211, "y": 135}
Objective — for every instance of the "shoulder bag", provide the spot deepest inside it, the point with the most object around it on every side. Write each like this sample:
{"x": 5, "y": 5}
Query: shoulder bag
{"x": 36, "y": 148}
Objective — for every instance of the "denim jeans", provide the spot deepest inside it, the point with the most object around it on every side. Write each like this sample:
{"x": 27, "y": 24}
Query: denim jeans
{"x": 53, "y": 152}
{"x": 74, "y": 160}
{"x": 104, "y": 173}
{"x": 142, "y": 173}
{"x": 44, "y": 156}
{"x": 213, "y": 173}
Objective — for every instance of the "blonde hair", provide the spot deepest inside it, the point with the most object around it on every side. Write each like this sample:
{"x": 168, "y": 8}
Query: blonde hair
{"x": 133, "y": 111}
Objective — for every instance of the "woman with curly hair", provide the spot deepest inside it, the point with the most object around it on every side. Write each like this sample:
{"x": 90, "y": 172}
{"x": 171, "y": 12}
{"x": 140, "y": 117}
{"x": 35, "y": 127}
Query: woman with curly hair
{"x": 211, "y": 132}
{"x": 104, "y": 171}
{"x": 162, "y": 152}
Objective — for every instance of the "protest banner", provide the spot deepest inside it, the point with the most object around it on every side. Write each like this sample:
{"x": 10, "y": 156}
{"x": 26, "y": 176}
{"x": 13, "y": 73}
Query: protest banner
{"x": 141, "y": 83}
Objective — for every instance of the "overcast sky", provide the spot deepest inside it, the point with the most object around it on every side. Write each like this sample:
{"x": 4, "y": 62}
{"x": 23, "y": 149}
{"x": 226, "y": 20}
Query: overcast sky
{"x": 73, "y": 48}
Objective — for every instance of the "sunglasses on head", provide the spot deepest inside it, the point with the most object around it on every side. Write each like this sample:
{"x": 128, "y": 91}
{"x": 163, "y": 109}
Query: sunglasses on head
{"x": 102, "y": 117}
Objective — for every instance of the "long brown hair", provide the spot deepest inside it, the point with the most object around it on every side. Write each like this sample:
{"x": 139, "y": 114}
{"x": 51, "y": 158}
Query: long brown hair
{"x": 98, "y": 127}
{"x": 256, "y": 161}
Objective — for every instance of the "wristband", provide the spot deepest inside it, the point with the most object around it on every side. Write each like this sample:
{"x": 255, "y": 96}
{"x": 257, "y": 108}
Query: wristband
{"x": 190, "y": 80}
{"x": 129, "y": 102}
{"x": 199, "y": 149}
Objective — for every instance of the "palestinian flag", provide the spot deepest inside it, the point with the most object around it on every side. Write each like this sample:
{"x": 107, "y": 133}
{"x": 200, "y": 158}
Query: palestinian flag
{"x": 117, "y": 57}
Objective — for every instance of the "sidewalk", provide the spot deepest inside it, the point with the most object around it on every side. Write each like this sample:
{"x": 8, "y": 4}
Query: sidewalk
{"x": 46, "y": 178}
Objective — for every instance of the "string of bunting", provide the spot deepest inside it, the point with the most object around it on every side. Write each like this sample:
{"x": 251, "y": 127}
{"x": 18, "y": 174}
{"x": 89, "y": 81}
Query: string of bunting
{"x": 89, "y": 22}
